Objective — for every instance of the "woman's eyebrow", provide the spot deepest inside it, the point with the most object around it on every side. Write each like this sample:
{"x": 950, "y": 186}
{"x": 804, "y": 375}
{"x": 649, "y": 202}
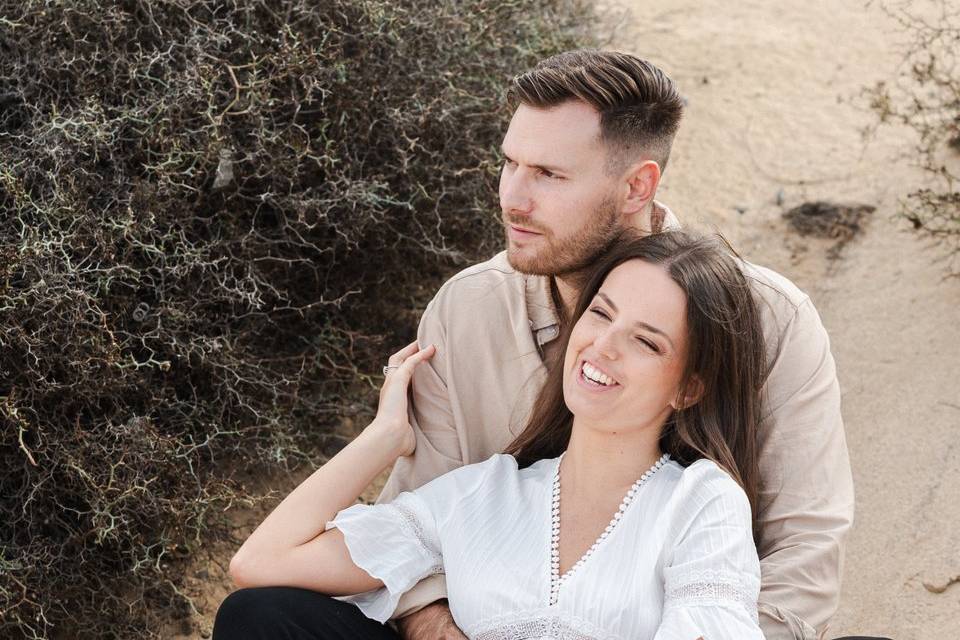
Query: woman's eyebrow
{"x": 638, "y": 323}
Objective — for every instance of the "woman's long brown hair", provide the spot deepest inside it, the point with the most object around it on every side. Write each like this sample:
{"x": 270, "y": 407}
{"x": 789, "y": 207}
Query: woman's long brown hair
{"x": 725, "y": 353}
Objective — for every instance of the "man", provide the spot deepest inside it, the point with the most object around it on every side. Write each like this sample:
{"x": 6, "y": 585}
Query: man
{"x": 584, "y": 154}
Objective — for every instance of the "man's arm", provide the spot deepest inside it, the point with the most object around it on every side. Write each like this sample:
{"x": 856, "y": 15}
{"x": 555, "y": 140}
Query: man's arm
{"x": 807, "y": 492}
{"x": 433, "y": 622}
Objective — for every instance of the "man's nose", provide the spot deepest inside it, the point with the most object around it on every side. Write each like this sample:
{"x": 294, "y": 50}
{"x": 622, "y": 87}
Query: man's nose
{"x": 514, "y": 193}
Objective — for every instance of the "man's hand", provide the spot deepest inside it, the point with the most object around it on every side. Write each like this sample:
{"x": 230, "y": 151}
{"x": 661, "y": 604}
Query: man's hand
{"x": 433, "y": 622}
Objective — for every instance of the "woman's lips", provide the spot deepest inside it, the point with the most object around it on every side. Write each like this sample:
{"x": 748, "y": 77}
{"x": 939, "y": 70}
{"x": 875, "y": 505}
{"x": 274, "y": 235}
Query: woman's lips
{"x": 591, "y": 385}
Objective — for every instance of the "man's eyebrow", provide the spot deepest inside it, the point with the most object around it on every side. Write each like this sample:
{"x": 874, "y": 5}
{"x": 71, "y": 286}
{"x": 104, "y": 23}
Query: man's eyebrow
{"x": 542, "y": 167}
{"x": 641, "y": 324}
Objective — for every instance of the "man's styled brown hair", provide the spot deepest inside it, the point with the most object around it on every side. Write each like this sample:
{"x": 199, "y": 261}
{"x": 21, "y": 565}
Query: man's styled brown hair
{"x": 725, "y": 353}
{"x": 639, "y": 106}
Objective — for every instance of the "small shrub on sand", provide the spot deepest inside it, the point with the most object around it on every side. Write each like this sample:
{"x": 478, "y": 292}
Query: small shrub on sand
{"x": 926, "y": 98}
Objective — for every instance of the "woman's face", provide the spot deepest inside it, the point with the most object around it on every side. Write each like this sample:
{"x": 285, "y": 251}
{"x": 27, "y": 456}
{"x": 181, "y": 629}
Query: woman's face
{"x": 626, "y": 355}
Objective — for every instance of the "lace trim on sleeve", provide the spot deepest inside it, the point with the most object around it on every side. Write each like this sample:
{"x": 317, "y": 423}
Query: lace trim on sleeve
{"x": 540, "y": 626}
{"x": 411, "y": 523}
{"x": 706, "y": 588}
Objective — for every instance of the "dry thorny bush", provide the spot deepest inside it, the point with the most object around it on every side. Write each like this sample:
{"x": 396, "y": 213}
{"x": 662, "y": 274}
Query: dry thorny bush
{"x": 210, "y": 214}
{"x": 926, "y": 98}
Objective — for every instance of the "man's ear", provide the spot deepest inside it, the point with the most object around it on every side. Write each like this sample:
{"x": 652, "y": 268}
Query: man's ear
{"x": 690, "y": 396}
{"x": 642, "y": 180}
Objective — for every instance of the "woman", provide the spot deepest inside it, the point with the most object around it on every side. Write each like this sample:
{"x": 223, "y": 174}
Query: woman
{"x": 623, "y": 510}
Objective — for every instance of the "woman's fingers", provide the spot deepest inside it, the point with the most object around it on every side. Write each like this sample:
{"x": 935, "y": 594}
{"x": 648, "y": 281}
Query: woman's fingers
{"x": 410, "y": 363}
{"x": 400, "y": 356}
{"x": 419, "y": 356}
{"x": 411, "y": 355}
{"x": 393, "y": 393}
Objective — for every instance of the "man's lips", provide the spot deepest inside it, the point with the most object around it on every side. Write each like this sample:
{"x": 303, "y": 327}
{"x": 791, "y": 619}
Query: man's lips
{"x": 521, "y": 232}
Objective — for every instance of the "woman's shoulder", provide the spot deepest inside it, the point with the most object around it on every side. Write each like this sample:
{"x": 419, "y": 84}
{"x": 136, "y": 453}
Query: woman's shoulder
{"x": 505, "y": 468}
{"x": 703, "y": 481}
{"x": 501, "y": 467}
{"x": 496, "y": 464}
{"x": 707, "y": 471}
{"x": 506, "y": 463}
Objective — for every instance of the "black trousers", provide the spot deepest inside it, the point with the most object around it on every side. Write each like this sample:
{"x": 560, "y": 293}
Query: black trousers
{"x": 286, "y": 613}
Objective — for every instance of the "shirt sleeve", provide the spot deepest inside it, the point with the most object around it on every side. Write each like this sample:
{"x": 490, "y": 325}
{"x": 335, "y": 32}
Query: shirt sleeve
{"x": 712, "y": 573}
{"x": 806, "y": 496}
{"x": 401, "y": 542}
{"x": 395, "y": 542}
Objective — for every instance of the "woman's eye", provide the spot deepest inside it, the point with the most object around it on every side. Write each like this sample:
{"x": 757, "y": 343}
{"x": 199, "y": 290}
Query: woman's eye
{"x": 600, "y": 312}
{"x": 649, "y": 344}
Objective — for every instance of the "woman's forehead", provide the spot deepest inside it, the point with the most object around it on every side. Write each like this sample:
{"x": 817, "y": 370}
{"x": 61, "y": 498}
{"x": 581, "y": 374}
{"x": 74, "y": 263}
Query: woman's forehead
{"x": 645, "y": 292}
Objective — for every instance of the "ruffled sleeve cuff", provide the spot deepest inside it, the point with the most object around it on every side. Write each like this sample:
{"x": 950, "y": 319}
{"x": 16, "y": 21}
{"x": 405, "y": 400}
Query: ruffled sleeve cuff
{"x": 395, "y": 543}
{"x": 712, "y": 604}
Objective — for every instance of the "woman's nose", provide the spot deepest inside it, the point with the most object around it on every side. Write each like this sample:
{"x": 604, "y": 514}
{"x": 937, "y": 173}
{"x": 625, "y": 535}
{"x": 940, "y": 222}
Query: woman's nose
{"x": 605, "y": 344}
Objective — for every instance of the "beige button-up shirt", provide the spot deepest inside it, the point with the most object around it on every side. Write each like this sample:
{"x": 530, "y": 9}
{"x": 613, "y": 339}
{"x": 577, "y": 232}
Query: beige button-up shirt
{"x": 491, "y": 324}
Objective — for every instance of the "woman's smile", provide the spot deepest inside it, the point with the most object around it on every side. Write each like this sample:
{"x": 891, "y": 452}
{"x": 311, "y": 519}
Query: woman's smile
{"x": 595, "y": 379}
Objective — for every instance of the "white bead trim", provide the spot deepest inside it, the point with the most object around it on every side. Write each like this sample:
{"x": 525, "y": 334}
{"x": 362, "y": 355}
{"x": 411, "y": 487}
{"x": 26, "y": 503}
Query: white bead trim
{"x": 555, "y": 578}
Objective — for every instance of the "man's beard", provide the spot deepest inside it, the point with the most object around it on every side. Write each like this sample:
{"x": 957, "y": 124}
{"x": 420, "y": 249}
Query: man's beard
{"x": 574, "y": 255}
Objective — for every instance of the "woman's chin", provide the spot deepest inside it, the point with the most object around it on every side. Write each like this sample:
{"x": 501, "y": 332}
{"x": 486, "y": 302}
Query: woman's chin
{"x": 589, "y": 412}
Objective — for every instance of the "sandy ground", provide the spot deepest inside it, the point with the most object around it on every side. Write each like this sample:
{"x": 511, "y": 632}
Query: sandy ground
{"x": 773, "y": 105}
{"x": 772, "y": 90}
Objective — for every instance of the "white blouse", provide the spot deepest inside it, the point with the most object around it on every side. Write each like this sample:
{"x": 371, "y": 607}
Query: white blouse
{"x": 680, "y": 562}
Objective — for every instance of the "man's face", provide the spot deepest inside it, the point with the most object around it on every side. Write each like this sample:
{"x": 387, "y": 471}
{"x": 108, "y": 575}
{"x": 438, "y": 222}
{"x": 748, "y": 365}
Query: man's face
{"x": 559, "y": 207}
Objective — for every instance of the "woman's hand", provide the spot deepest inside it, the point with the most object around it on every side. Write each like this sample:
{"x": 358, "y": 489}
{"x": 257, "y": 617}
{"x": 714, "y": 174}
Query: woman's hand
{"x": 289, "y": 545}
{"x": 392, "y": 426}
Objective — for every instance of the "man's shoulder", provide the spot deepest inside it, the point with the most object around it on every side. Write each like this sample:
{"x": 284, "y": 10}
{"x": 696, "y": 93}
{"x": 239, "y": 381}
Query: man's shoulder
{"x": 790, "y": 322}
{"x": 496, "y": 268}
{"x": 483, "y": 286}
{"x": 777, "y": 294}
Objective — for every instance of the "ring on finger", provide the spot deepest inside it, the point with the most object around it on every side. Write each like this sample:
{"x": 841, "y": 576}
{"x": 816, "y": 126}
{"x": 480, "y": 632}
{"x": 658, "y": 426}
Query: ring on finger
{"x": 386, "y": 369}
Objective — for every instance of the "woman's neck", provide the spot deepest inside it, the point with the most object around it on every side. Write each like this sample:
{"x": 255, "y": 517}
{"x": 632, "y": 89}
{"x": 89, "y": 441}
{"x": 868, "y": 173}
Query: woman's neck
{"x": 598, "y": 462}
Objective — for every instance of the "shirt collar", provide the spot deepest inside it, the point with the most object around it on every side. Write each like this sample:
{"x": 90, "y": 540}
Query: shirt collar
{"x": 540, "y": 309}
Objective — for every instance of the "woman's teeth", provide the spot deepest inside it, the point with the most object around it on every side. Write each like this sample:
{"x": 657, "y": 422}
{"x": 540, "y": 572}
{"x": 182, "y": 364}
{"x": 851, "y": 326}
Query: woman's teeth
{"x": 592, "y": 373}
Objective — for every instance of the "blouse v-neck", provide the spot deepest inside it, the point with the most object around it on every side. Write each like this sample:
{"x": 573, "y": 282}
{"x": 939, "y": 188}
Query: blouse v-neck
{"x": 556, "y": 579}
